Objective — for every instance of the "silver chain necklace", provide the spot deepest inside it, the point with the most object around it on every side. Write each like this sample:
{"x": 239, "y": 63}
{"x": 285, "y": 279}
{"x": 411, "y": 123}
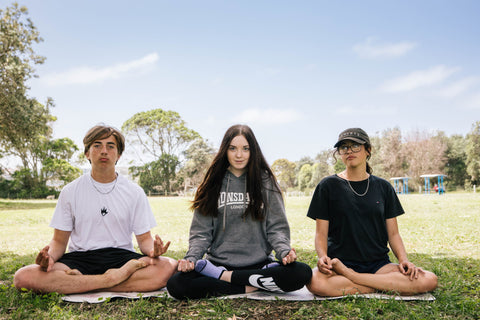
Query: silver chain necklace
{"x": 93, "y": 184}
{"x": 358, "y": 194}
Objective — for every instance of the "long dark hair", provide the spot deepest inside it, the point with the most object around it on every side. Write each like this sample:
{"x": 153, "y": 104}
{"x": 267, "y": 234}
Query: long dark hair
{"x": 368, "y": 148}
{"x": 206, "y": 197}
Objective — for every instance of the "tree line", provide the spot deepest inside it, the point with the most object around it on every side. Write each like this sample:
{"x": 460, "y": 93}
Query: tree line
{"x": 396, "y": 155}
{"x": 179, "y": 156}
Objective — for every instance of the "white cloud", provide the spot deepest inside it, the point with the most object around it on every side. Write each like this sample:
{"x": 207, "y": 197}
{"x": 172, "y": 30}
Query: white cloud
{"x": 269, "y": 116}
{"x": 455, "y": 89}
{"x": 418, "y": 79}
{"x": 371, "y": 49}
{"x": 87, "y": 75}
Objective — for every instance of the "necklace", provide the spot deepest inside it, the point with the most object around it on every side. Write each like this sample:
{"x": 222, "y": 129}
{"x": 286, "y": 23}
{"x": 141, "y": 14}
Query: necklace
{"x": 115, "y": 183}
{"x": 358, "y": 194}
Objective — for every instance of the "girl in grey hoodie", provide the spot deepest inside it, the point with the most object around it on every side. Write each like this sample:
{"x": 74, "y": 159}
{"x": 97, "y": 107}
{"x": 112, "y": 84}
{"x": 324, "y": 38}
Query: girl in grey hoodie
{"x": 239, "y": 219}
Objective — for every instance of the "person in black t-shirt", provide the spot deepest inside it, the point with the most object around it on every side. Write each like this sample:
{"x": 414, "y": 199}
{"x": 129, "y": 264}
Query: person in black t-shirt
{"x": 355, "y": 215}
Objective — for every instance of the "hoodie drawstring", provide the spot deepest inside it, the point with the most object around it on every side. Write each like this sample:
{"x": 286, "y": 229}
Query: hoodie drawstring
{"x": 225, "y": 206}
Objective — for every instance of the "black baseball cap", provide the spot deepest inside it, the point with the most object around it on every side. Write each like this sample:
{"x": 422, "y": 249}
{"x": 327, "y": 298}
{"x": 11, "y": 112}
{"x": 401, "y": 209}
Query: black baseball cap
{"x": 354, "y": 134}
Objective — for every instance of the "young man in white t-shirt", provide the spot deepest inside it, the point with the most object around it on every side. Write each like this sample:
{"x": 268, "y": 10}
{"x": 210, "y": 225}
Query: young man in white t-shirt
{"x": 96, "y": 215}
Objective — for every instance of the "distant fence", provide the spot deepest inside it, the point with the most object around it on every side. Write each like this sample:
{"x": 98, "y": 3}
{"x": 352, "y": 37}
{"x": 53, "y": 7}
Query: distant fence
{"x": 298, "y": 193}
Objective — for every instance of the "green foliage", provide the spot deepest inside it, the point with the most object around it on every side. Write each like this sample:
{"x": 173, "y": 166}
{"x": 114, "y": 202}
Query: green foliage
{"x": 198, "y": 158}
{"x": 305, "y": 176}
{"x": 60, "y": 170}
{"x": 156, "y": 176}
{"x": 162, "y": 135}
{"x": 320, "y": 171}
{"x": 25, "y": 185}
{"x": 158, "y": 132}
{"x": 339, "y": 166}
{"x": 17, "y": 37}
{"x": 284, "y": 170}
{"x": 473, "y": 153}
{"x": 411, "y": 156}
{"x": 456, "y": 168}
{"x": 25, "y": 124}
{"x": 18, "y": 112}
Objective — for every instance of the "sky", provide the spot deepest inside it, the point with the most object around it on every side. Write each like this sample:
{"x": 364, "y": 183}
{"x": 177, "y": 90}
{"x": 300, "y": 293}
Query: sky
{"x": 297, "y": 72}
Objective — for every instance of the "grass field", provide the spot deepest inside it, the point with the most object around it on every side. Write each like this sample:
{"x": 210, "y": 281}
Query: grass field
{"x": 441, "y": 234}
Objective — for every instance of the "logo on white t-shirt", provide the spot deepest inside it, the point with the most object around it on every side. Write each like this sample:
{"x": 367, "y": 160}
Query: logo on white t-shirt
{"x": 103, "y": 211}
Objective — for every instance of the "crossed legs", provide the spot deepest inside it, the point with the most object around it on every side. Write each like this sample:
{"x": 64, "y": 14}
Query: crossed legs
{"x": 144, "y": 274}
{"x": 345, "y": 281}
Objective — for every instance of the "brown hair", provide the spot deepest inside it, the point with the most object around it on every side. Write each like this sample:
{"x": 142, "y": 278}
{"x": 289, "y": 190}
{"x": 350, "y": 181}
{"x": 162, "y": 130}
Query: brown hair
{"x": 102, "y": 131}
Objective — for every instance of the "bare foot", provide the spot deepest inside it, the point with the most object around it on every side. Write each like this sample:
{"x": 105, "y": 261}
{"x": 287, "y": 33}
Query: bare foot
{"x": 73, "y": 272}
{"x": 340, "y": 268}
{"x": 116, "y": 276}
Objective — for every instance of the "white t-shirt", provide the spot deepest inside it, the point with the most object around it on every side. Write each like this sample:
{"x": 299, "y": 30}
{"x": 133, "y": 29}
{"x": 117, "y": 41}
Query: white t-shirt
{"x": 102, "y": 219}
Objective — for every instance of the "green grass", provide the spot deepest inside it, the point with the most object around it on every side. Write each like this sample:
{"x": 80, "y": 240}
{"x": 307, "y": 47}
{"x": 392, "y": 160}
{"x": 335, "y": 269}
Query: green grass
{"x": 441, "y": 234}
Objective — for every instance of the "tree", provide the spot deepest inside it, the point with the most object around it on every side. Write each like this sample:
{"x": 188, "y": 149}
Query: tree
{"x": 17, "y": 57}
{"x": 473, "y": 154}
{"x": 425, "y": 154}
{"x": 158, "y": 132}
{"x": 320, "y": 171}
{"x": 325, "y": 162}
{"x": 339, "y": 166}
{"x": 25, "y": 124}
{"x": 388, "y": 159}
{"x": 56, "y": 158}
{"x": 455, "y": 167}
{"x": 156, "y": 176}
{"x": 162, "y": 135}
{"x": 284, "y": 170}
{"x": 198, "y": 157}
{"x": 305, "y": 176}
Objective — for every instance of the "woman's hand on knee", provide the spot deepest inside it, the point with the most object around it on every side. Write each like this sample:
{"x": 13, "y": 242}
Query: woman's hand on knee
{"x": 185, "y": 265}
{"x": 290, "y": 257}
{"x": 408, "y": 269}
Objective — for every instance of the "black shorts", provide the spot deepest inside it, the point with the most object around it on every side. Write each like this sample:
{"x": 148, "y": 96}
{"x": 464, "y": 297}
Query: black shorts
{"x": 367, "y": 267}
{"x": 98, "y": 261}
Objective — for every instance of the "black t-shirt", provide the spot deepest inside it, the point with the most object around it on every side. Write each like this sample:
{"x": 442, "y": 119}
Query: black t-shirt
{"x": 357, "y": 225}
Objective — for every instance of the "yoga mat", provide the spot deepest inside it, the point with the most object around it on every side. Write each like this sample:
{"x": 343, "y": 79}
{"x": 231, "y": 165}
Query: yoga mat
{"x": 299, "y": 295}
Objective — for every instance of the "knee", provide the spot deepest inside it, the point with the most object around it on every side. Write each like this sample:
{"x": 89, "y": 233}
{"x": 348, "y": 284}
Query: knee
{"x": 431, "y": 281}
{"x": 318, "y": 285}
{"x": 168, "y": 267}
{"x": 303, "y": 271}
{"x": 176, "y": 287}
{"x": 23, "y": 279}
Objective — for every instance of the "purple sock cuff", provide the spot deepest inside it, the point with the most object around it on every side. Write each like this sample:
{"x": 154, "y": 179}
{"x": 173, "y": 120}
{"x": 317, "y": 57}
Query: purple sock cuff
{"x": 208, "y": 269}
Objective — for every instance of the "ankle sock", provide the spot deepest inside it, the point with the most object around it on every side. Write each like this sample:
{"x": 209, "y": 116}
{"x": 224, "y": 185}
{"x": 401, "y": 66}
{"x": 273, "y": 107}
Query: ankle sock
{"x": 271, "y": 264}
{"x": 208, "y": 269}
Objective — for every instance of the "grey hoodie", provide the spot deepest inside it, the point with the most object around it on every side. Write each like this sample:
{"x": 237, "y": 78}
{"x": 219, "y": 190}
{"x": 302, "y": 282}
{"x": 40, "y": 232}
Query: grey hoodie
{"x": 233, "y": 240}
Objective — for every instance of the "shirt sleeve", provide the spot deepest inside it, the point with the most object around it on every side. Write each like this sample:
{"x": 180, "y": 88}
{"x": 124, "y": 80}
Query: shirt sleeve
{"x": 278, "y": 230}
{"x": 393, "y": 207}
{"x": 319, "y": 207}
{"x": 63, "y": 218}
{"x": 143, "y": 220}
{"x": 201, "y": 236}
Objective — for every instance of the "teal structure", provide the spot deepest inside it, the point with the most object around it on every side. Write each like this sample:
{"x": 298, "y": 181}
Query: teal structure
{"x": 400, "y": 184}
{"x": 440, "y": 177}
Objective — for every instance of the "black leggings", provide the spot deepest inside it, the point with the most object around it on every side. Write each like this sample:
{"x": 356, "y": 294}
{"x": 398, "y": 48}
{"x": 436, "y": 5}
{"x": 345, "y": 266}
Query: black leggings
{"x": 193, "y": 285}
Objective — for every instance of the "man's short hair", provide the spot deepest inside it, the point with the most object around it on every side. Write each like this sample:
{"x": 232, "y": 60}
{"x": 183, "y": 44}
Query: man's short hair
{"x": 102, "y": 131}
